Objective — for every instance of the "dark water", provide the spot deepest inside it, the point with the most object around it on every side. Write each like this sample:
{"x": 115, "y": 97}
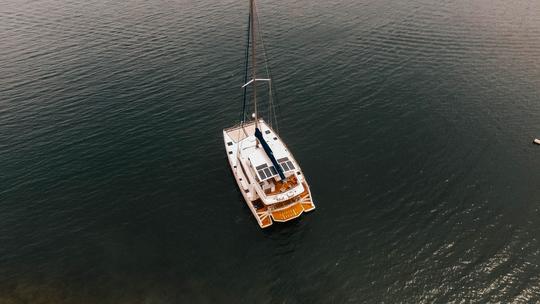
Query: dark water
{"x": 412, "y": 120}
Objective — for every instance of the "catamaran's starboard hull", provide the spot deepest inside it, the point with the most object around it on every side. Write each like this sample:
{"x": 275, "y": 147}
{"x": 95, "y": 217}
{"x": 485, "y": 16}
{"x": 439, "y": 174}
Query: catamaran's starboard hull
{"x": 234, "y": 138}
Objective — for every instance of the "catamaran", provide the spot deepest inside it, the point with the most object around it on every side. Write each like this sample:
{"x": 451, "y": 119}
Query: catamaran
{"x": 269, "y": 177}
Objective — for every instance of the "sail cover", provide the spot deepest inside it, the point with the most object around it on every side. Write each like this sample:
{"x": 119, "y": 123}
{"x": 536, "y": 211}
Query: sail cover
{"x": 269, "y": 152}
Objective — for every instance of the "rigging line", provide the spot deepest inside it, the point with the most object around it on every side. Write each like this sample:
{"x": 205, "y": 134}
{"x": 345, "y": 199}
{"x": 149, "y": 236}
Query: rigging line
{"x": 274, "y": 114}
{"x": 273, "y": 98}
{"x": 270, "y": 106}
{"x": 274, "y": 102}
{"x": 274, "y": 106}
{"x": 246, "y": 61}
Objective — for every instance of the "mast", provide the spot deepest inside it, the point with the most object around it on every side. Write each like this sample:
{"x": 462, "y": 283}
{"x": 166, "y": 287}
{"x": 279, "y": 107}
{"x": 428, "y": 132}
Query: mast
{"x": 246, "y": 70}
{"x": 253, "y": 62}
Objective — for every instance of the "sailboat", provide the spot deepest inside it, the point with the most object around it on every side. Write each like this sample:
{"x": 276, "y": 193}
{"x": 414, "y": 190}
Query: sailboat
{"x": 268, "y": 176}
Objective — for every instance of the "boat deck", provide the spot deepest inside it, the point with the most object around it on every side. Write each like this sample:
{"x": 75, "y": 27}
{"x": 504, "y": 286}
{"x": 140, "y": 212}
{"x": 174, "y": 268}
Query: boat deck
{"x": 288, "y": 213}
{"x": 265, "y": 204}
{"x": 240, "y": 132}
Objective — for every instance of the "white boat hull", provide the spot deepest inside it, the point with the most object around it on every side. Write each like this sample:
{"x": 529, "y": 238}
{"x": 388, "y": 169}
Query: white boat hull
{"x": 264, "y": 209}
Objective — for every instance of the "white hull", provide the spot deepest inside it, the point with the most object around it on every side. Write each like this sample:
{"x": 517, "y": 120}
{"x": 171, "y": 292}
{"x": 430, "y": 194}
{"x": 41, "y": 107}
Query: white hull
{"x": 267, "y": 204}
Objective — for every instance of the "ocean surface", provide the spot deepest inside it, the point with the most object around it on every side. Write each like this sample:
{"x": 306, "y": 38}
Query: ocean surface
{"x": 412, "y": 120}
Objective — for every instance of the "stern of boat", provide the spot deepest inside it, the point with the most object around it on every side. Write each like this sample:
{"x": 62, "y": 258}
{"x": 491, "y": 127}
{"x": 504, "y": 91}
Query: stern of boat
{"x": 284, "y": 211}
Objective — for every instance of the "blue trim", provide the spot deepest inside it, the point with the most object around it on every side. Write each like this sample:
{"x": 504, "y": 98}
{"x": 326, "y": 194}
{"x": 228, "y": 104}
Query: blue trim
{"x": 269, "y": 152}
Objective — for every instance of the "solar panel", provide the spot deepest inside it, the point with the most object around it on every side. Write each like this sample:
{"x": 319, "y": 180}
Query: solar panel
{"x": 290, "y": 164}
{"x": 265, "y": 172}
{"x": 261, "y": 167}
{"x": 286, "y": 164}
